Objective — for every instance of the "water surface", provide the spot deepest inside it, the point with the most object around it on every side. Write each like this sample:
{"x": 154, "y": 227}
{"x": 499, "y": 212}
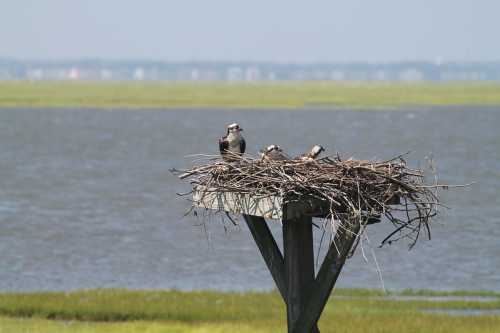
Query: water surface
{"x": 87, "y": 201}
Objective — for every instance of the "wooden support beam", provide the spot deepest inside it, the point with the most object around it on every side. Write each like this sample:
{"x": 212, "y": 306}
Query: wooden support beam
{"x": 269, "y": 250}
{"x": 325, "y": 280}
{"x": 299, "y": 267}
{"x": 293, "y": 272}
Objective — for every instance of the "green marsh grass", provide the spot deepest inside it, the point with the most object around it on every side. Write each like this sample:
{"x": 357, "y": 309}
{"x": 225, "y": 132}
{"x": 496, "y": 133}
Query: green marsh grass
{"x": 288, "y": 95}
{"x": 350, "y": 310}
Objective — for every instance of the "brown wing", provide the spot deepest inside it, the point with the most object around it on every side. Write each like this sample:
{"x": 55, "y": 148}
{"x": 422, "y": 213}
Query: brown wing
{"x": 223, "y": 145}
{"x": 243, "y": 145}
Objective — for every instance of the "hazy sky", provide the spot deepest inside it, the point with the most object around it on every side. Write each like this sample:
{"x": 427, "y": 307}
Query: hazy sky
{"x": 262, "y": 30}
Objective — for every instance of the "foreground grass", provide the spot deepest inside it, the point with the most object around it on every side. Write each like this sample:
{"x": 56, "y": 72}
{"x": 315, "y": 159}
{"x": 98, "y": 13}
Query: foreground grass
{"x": 262, "y": 95}
{"x": 205, "y": 311}
{"x": 342, "y": 324}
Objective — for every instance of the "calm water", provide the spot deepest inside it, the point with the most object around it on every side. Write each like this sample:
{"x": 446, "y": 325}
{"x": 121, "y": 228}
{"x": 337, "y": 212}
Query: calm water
{"x": 87, "y": 201}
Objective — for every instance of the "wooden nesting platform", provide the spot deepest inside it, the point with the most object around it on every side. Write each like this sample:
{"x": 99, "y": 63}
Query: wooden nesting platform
{"x": 304, "y": 291}
{"x": 270, "y": 207}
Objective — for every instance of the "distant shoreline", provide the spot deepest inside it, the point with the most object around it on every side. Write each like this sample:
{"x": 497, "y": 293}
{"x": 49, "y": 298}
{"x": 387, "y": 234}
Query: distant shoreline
{"x": 256, "y": 96}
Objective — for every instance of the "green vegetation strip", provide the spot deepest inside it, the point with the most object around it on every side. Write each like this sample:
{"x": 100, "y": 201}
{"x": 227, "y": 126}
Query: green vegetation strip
{"x": 249, "y": 96}
{"x": 210, "y": 311}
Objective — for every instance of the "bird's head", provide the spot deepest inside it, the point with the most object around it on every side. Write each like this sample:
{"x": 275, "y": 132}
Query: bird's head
{"x": 234, "y": 128}
{"x": 273, "y": 148}
{"x": 316, "y": 150}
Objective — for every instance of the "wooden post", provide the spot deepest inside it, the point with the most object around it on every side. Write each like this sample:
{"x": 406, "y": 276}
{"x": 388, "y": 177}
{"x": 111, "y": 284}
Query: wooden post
{"x": 299, "y": 266}
{"x": 269, "y": 250}
{"x": 326, "y": 279}
{"x": 293, "y": 272}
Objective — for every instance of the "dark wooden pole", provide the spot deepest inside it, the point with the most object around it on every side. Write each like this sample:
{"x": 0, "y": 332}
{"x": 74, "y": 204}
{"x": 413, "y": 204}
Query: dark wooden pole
{"x": 326, "y": 279}
{"x": 299, "y": 267}
{"x": 269, "y": 250}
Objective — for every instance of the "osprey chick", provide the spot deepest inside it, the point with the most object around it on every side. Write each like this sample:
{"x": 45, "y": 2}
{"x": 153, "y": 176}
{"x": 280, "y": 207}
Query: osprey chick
{"x": 232, "y": 143}
{"x": 312, "y": 154}
{"x": 273, "y": 152}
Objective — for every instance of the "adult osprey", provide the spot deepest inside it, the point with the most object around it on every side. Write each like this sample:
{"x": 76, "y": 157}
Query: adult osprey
{"x": 273, "y": 152}
{"x": 312, "y": 154}
{"x": 233, "y": 143}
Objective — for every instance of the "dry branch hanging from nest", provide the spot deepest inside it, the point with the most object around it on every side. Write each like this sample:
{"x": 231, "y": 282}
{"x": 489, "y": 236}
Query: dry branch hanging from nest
{"x": 344, "y": 191}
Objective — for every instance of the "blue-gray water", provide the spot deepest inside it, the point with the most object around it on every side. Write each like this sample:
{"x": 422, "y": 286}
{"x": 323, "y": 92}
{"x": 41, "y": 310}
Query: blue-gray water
{"x": 87, "y": 201}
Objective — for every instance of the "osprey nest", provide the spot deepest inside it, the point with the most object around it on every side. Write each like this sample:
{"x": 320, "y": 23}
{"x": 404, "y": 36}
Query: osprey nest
{"x": 350, "y": 191}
